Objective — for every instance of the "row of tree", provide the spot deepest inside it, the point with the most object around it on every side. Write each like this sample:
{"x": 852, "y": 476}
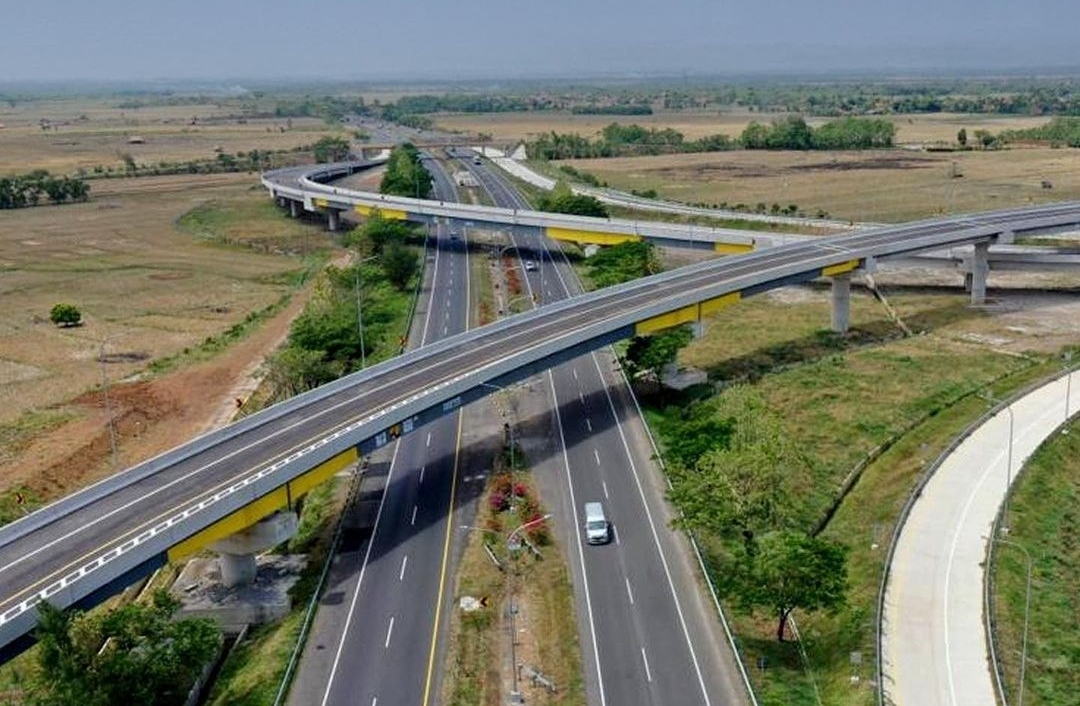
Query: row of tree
{"x": 405, "y": 174}
{"x": 617, "y": 140}
{"x": 327, "y": 341}
{"x": 30, "y": 189}
{"x": 613, "y": 109}
{"x": 792, "y": 133}
{"x": 1057, "y": 132}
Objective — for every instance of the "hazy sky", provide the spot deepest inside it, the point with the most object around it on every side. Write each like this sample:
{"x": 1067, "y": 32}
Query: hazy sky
{"x": 362, "y": 39}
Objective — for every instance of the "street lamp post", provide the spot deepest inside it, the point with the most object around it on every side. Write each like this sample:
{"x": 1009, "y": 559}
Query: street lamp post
{"x": 512, "y": 546}
{"x": 1008, "y": 466}
{"x": 108, "y": 404}
{"x": 1068, "y": 392}
{"x": 360, "y": 311}
{"x": 508, "y": 428}
{"x": 1027, "y": 613}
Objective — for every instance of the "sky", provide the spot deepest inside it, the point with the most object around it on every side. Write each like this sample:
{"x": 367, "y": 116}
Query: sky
{"x": 141, "y": 40}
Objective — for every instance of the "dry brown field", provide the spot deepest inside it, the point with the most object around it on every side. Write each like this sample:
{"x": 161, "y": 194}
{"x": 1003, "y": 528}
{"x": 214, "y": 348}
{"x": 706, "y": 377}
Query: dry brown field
{"x": 146, "y": 288}
{"x": 515, "y": 127}
{"x": 91, "y": 132}
{"x": 879, "y": 185}
{"x": 876, "y": 186}
{"x": 149, "y": 288}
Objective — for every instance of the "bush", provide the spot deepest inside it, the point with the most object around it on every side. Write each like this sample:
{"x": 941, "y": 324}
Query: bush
{"x": 65, "y": 315}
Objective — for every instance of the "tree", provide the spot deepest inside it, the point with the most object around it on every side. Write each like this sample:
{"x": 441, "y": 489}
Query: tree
{"x": 622, "y": 263}
{"x": 379, "y": 232}
{"x": 745, "y": 481}
{"x": 400, "y": 264}
{"x": 649, "y": 354}
{"x": 786, "y": 570}
{"x": 961, "y": 137}
{"x": 563, "y": 200}
{"x": 134, "y": 654}
{"x": 293, "y": 370}
{"x": 65, "y": 315}
{"x": 330, "y": 149}
{"x": 405, "y": 174}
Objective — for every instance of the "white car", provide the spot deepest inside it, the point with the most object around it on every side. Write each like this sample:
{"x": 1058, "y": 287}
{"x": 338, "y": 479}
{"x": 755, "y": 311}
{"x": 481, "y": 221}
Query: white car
{"x": 530, "y": 265}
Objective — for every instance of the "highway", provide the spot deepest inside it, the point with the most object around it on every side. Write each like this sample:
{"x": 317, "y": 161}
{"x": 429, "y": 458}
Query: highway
{"x": 396, "y": 579}
{"x": 644, "y": 640}
{"x": 123, "y": 526}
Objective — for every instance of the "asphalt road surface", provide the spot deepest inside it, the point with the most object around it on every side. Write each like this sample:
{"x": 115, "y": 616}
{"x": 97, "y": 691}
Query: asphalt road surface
{"x": 646, "y": 636}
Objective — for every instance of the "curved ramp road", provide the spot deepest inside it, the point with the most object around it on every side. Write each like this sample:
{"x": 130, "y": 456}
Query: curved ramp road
{"x": 79, "y": 549}
{"x": 934, "y": 642}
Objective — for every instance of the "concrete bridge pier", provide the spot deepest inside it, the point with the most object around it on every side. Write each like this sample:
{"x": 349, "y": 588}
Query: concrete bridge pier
{"x": 841, "y": 302}
{"x": 333, "y": 220}
{"x": 237, "y": 553}
{"x": 294, "y": 209}
{"x": 975, "y": 278}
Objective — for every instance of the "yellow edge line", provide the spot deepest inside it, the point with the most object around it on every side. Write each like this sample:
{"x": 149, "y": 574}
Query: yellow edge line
{"x": 442, "y": 571}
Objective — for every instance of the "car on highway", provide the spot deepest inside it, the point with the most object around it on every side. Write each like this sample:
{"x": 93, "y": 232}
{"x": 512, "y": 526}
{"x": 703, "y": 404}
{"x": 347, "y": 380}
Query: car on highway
{"x": 530, "y": 266}
{"x": 597, "y": 527}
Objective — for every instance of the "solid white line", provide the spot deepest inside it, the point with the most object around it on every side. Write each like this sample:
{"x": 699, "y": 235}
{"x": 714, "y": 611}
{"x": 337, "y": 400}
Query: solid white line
{"x": 656, "y": 536}
{"x": 413, "y": 520}
{"x": 645, "y": 659}
{"x": 404, "y": 561}
{"x": 629, "y": 592}
{"x": 990, "y": 470}
{"x": 588, "y": 423}
{"x": 606, "y": 496}
{"x": 359, "y": 581}
{"x": 577, "y": 535}
{"x": 596, "y": 455}
{"x": 390, "y": 631}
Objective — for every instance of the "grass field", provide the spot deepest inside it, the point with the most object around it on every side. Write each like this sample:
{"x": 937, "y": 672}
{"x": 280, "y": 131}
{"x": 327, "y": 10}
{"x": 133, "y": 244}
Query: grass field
{"x": 841, "y": 400}
{"x": 1044, "y": 522}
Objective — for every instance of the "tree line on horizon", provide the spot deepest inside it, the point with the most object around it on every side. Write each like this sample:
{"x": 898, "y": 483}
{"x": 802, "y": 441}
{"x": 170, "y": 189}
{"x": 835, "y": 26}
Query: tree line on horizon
{"x": 790, "y": 133}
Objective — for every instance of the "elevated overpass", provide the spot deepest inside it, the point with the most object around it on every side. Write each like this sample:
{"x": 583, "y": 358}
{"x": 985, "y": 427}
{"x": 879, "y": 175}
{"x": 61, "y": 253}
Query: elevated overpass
{"x": 83, "y": 547}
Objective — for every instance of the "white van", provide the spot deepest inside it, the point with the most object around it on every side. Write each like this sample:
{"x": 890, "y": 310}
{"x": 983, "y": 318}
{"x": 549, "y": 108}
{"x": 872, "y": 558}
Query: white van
{"x": 597, "y": 528}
